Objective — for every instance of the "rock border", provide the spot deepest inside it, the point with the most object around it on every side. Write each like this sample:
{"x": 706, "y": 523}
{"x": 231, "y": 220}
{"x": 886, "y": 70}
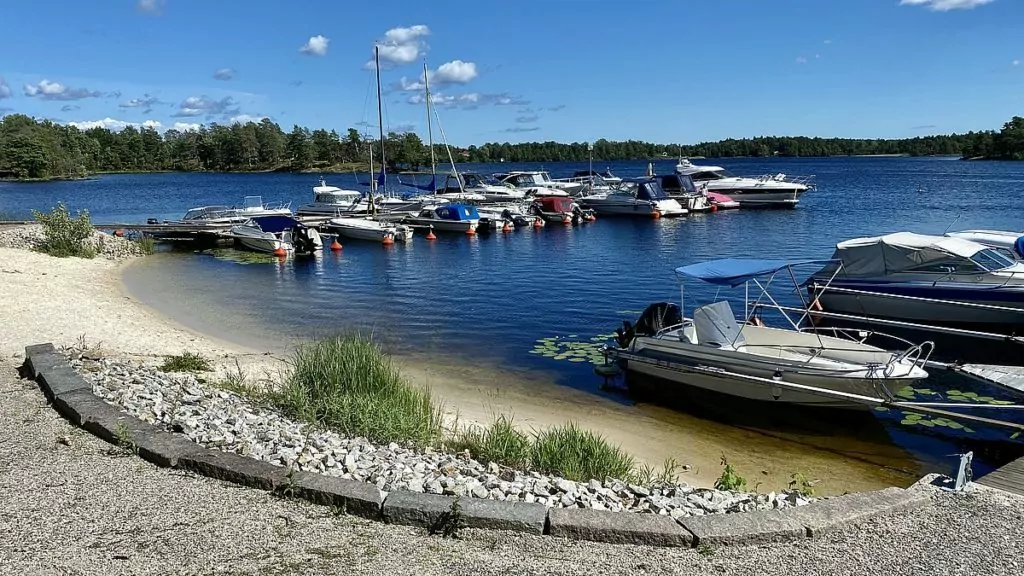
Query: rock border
{"x": 72, "y": 397}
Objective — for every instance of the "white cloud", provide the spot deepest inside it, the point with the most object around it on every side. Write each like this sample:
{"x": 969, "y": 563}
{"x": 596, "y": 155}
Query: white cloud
{"x": 315, "y": 46}
{"x": 186, "y": 127}
{"x": 5, "y": 90}
{"x": 245, "y": 119}
{"x": 225, "y": 74}
{"x": 454, "y": 72}
{"x": 1015, "y": 63}
{"x": 201, "y": 105}
{"x": 108, "y": 123}
{"x": 147, "y": 102}
{"x": 48, "y": 90}
{"x": 401, "y": 45}
{"x": 150, "y": 6}
{"x": 946, "y": 5}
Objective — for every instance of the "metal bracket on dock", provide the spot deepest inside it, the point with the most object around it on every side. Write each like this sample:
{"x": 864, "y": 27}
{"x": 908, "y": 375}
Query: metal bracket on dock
{"x": 964, "y": 474}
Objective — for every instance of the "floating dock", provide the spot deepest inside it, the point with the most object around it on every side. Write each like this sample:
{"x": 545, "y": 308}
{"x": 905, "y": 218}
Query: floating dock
{"x": 1009, "y": 478}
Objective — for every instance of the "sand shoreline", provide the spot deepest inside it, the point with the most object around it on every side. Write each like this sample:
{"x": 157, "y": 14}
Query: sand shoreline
{"x": 93, "y": 302}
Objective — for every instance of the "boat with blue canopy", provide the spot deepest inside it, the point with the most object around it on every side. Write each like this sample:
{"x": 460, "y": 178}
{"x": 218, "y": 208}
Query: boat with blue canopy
{"x": 447, "y": 218}
{"x": 715, "y": 351}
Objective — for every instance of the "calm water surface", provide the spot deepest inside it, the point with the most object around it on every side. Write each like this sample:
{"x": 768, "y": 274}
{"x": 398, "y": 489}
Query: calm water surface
{"x": 486, "y": 300}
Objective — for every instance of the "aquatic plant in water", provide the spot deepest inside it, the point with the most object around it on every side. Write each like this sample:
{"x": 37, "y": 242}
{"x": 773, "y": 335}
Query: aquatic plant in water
{"x": 572, "y": 349}
{"x": 242, "y": 256}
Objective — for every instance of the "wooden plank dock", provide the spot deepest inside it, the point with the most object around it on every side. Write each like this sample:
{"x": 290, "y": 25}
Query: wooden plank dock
{"x": 1009, "y": 478}
{"x": 1009, "y": 378}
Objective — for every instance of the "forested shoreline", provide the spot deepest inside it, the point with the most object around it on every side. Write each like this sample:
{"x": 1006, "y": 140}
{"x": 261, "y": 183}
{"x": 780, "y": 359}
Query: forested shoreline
{"x": 32, "y": 149}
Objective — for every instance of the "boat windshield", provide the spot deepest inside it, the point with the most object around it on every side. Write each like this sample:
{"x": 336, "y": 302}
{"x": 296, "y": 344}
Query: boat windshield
{"x": 991, "y": 259}
{"x": 711, "y": 175}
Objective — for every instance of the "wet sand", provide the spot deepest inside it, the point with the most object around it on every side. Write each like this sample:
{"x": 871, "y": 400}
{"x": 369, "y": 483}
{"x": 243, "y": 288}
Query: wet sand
{"x": 859, "y": 459}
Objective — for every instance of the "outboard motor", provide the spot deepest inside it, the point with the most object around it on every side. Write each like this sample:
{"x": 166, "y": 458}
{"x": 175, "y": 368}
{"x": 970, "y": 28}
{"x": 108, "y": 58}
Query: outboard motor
{"x": 302, "y": 240}
{"x": 577, "y": 213}
{"x": 654, "y": 319}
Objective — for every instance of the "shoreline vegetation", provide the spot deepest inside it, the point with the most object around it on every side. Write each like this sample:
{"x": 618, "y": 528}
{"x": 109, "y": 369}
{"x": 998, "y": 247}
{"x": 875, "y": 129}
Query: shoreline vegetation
{"x": 41, "y": 150}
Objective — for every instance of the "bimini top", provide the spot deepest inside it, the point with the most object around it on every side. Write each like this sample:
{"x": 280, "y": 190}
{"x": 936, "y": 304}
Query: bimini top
{"x": 647, "y": 188}
{"x": 275, "y": 224}
{"x": 736, "y": 271}
{"x": 457, "y": 212}
{"x": 908, "y": 252}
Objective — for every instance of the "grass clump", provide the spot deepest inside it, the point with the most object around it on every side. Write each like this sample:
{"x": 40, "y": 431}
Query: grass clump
{"x": 147, "y": 245}
{"x": 577, "y": 454}
{"x": 186, "y": 362}
{"x": 500, "y": 442}
{"x": 730, "y": 480}
{"x": 347, "y": 383}
{"x": 64, "y": 236}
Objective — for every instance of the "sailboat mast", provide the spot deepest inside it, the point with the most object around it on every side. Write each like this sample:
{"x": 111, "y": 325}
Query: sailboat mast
{"x": 373, "y": 179}
{"x": 380, "y": 122}
{"x": 430, "y": 129}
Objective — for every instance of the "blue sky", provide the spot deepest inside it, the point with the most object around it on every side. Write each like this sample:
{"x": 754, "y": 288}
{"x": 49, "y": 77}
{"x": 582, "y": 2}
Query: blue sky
{"x": 565, "y": 70}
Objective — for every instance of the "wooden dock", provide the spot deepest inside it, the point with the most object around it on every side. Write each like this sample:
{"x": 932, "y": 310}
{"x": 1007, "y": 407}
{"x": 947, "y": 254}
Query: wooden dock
{"x": 1008, "y": 378}
{"x": 1009, "y": 478}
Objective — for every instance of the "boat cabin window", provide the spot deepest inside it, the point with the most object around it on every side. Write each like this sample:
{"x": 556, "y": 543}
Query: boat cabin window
{"x": 948, "y": 266}
{"x": 472, "y": 181}
{"x": 651, "y": 191}
{"x": 991, "y": 259}
{"x": 711, "y": 175}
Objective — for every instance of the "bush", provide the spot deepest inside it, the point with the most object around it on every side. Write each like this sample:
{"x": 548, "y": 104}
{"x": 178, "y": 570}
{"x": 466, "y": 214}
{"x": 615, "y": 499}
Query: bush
{"x": 63, "y": 235}
{"x": 577, "y": 454}
{"x": 187, "y": 362}
{"x": 348, "y": 384}
{"x": 146, "y": 245}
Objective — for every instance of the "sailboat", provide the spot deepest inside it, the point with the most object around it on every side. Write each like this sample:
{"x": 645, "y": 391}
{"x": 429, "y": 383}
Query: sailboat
{"x": 369, "y": 228}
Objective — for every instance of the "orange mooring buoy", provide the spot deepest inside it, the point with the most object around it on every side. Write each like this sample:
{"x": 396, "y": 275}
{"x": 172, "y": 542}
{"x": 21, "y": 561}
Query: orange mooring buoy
{"x": 280, "y": 252}
{"x": 591, "y": 218}
{"x": 538, "y": 222}
{"x": 335, "y": 246}
{"x": 388, "y": 240}
{"x": 714, "y": 207}
{"x": 566, "y": 220}
{"x": 506, "y": 228}
{"x": 430, "y": 234}
{"x": 656, "y": 214}
{"x": 470, "y": 231}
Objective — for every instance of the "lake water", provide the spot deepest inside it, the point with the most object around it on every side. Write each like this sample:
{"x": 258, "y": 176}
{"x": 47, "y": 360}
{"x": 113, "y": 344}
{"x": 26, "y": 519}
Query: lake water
{"x": 486, "y": 301}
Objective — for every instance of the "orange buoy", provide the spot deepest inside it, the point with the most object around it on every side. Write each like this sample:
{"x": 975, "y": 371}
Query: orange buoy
{"x": 656, "y": 214}
{"x": 566, "y": 220}
{"x": 430, "y": 234}
{"x": 714, "y": 207}
{"x": 470, "y": 231}
{"x": 335, "y": 245}
{"x": 119, "y": 233}
{"x": 591, "y": 218}
{"x": 280, "y": 252}
{"x": 506, "y": 228}
{"x": 388, "y": 240}
{"x": 538, "y": 222}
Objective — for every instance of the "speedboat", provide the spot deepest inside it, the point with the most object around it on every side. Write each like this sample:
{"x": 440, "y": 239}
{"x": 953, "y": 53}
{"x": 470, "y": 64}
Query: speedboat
{"x": 495, "y": 216}
{"x": 592, "y": 178}
{"x": 560, "y": 209}
{"x": 332, "y": 201}
{"x": 252, "y": 206}
{"x": 636, "y": 197}
{"x": 538, "y": 183}
{"x": 927, "y": 281}
{"x": 771, "y": 190}
{"x": 369, "y": 229}
{"x": 682, "y": 189}
{"x": 715, "y": 352}
{"x": 477, "y": 188}
{"x": 271, "y": 234}
{"x": 720, "y": 201}
{"x": 447, "y": 218}
{"x": 1011, "y": 242}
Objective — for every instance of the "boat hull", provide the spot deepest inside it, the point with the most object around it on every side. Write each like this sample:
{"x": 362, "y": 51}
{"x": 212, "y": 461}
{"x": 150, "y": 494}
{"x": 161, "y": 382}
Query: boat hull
{"x": 761, "y": 197}
{"x": 445, "y": 225}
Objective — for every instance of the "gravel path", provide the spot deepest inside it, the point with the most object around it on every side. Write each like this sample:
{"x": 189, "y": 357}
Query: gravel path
{"x": 69, "y": 507}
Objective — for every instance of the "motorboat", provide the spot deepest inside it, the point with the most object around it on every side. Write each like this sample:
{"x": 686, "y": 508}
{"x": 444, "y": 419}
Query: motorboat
{"x": 771, "y": 190}
{"x": 714, "y": 351}
{"x": 560, "y": 209}
{"x": 478, "y": 189}
{"x": 966, "y": 297}
{"x": 332, "y": 201}
{"x": 538, "y": 183}
{"x": 682, "y": 189}
{"x": 636, "y": 197}
{"x": 495, "y": 216}
{"x": 1011, "y": 242}
{"x": 720, "y": 201}
{"x": 252, "y": 206}
{"x": 273, "y": 234}
{"x": 449, "y": 217}
{"x": 592, "y": 178}
{"x": 370, "y": 229}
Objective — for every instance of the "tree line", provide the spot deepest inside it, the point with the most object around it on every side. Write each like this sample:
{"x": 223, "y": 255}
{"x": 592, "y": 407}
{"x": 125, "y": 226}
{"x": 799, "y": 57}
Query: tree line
{"x": 41, "y": 149}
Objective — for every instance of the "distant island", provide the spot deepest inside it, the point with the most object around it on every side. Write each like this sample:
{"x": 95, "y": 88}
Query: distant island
{"x": 32, "y": 149}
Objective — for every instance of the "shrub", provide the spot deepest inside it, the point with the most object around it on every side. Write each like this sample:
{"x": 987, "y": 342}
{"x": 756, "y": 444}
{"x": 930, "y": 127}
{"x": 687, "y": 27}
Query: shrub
{"x": 577, "y": 454}
{"x": 187, "y": 362}
{"x": 63, "y": 235}
{"x": 730, "y": 480}
{"x": 147, "y": 245}
{"x": 347, "y": 383}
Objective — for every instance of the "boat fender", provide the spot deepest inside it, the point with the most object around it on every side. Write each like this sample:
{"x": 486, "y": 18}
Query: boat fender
{"x": 756, "y": 321}
{"x": 815, "y": 306}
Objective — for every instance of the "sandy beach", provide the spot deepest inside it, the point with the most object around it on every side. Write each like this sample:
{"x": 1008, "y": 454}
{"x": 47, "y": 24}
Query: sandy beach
{"x": 64, "y": 300}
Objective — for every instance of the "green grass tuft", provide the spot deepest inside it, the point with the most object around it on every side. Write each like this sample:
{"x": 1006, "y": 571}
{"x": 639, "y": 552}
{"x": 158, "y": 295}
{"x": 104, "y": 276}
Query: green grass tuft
{"x": 348, "y": 384}
{"x": 187, "y": 362}
{"x": 147, "y": 245}
{"x": 577, "y": 454}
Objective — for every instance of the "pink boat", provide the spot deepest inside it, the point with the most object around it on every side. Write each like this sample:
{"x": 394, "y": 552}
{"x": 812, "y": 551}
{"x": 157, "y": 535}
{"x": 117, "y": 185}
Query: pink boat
{"x": 721, "y": 201}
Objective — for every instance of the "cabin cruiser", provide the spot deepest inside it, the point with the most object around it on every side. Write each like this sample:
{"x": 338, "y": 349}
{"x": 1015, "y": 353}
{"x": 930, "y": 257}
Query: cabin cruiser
{"x": 713, "y": 351}
{"x": 929, "y": 281}
{"x": 766, "y": 191}
{"x": 331, "y": 201}
{"x": 682, "y": 189}
{"x": 638, "y": 197}
{"x": 252, "y": 206}
{"x": 478, "y": 188}
{"x": 560, "y": 209}
{"x": 449, "y": 217}
{"x": 538, "y": 183}
{"x": 1011, "y": 242}
{"x": 277, "y": 235}
{"x": 370, "y": 229}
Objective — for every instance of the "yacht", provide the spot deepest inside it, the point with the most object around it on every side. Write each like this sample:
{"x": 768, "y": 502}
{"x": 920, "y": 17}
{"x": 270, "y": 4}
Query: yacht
{"x": 765, "y": 191}
{"x": 639, "y": 197}
{"x": 331, "y": 201}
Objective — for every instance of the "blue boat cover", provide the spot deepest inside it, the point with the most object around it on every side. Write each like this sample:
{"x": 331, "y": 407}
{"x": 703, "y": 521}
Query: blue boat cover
{"x": 1018, "y": 247}
{"x": 276, "y": 224}
{"x": 457, "y": 212}
{"x": 736, "y": 271}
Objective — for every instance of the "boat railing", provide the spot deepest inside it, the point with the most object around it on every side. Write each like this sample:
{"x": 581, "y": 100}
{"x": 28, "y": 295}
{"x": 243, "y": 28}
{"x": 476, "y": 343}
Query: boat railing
{"x": 807, "y": 180}
{"x": 277, "y": 205}
{"x": 815, "y": 288}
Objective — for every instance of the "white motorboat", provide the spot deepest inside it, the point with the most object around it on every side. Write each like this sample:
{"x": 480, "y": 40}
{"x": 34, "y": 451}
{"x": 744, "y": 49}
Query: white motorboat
{"x": 592, "y": 178}
{"x": 682, "y": 189}
{"x": 496, "y": 215}
{"x": 771, "y": 190}
{"x": 477, "y": 188}
{"x": 1011, "y": 242}
{"x": 636, "y": 197}
{"x": 447, "y": 218}
{"x": 369, "y": 229}
{"x": 331, "y": 201}
{"x": 538, "y": 183}
{"x": 713, "y": 351}
{"x": 252, "y": 206}
{"x": 272, "y": 234}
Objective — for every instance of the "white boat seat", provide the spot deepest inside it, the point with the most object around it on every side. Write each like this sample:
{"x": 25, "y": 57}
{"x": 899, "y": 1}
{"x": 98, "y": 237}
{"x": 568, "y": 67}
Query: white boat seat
{"x": 715, "y": 325}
